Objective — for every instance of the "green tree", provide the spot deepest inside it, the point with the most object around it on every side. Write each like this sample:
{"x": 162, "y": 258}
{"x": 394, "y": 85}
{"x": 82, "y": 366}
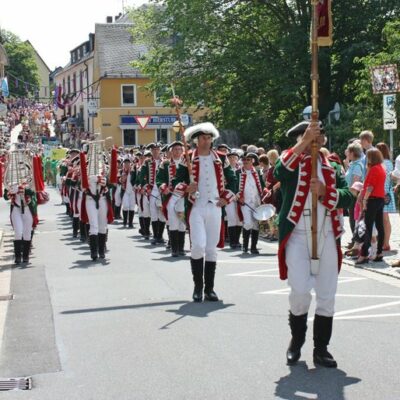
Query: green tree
{"x": 22, "y": 64}
{"x": 248, "y": 61}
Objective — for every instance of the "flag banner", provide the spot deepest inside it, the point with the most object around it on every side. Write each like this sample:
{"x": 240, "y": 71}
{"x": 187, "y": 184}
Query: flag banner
{"x": 324, "y": 9}
{"x": 4, "y": 87}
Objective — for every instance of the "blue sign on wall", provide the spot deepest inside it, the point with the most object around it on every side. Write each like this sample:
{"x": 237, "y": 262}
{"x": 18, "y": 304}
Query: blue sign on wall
{"x": 154, "y": 119}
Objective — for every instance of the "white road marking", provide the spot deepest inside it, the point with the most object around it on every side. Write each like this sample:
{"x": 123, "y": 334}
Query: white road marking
{"x": 376, "y": 306}
{"x": 259, "y": 273}
{"x": 244, "y": 262}
{"x": 369, "y": 316}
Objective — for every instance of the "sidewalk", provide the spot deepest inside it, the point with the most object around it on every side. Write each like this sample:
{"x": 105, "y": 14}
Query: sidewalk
{"x": 5, "y": 278}
{"x": 383, "y": 267}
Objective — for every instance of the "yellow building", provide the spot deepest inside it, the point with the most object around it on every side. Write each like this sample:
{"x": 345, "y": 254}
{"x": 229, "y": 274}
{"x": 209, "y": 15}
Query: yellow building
{"x": 44, "y": 76}
{"x": 126, "y": 110}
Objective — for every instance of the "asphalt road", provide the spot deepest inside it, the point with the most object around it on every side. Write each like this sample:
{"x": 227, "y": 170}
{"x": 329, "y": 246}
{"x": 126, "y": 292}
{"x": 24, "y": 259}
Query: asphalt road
{"x": 126, "y": 328}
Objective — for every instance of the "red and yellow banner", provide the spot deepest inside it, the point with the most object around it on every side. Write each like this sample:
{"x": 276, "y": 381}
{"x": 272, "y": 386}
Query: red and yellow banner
{"x": 324, "y": 9}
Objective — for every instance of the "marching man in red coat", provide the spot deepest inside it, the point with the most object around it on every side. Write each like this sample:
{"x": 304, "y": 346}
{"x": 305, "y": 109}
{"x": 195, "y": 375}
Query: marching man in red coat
{"x": 293, "y": 171}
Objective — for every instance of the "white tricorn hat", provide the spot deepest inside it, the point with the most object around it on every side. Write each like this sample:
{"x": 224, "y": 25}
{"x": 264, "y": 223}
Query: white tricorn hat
{"x": 206, "y": 128}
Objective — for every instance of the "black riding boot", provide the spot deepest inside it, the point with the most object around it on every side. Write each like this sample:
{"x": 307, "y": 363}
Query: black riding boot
{"x": 18, "y": 251}
{"x": 102, "y": 245}
{"x": 146, "y": 223}
{"x": 161, "y": 227}
{"x": 246, "y": 237}
{"x": 168, "y": 245}
{"x": 298, "y": 327}
{"x": 238, "y": 233}
{"x": 87, "y": 232}
{"x": 181, "y": 245}
{"x": 131, "y": 214}
{"x": 94, "y": 246}
{"x": 125, "y": 216}
{"x": 75, "y": 227}
{"x": 82, "y": 230}
{"x": 141, "y": 224}
{"x": 254, "y": 241}
{"x": 174, "y": 239}
{"x": 197, "y": 271}
{"x": 322, "y": 336}
{"x": 155, "y": 228}
{"x": 26, "y": 247}
{"x": 117, "y": 212}
{"x": 232, "y": 237}
{"x": 209, "y": 275}
{"x": 67, "y": 209}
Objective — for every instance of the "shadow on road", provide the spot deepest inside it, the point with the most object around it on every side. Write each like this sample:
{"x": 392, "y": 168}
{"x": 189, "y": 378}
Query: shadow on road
{"x": 198, "y": 310}
{"x": 124, "y": 307}
{"x": 316, "y": 383}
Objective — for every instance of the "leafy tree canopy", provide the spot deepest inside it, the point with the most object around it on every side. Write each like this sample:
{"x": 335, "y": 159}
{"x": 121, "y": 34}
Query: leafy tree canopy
{"x": 248, "y": 61}
{"x": 22, "y": 63}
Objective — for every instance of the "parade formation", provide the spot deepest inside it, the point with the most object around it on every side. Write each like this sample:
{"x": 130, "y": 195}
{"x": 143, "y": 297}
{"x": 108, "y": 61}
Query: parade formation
{"x": 126, "y": 162}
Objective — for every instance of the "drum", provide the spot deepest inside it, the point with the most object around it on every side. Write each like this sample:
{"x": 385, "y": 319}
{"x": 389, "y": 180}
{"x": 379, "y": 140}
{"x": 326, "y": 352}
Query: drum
{"x": 264, "y": 212}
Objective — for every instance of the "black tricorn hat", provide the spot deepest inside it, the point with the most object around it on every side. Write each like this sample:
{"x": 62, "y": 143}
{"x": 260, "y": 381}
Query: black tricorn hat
{"x": 254, "y": 156}
{"x": 173, "y": 144}
{"x": 300, "y": 128}
{"x": 152, "y": 146}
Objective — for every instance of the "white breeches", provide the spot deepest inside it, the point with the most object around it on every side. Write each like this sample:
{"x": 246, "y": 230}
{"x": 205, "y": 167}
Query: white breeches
{"x": 249, "y": 222}
{"x": 117, "y": 196}
{"x": 155, "y": 211}
{"x": 97, "y": 217}
{"x": 205, "y": 226}
{"x": 232, "y": 214}
{"x": 128, "y": 201}
{"x": 301, "y": 281}
{"x": 174, "y": 222}
{"x": 22, "y": 223}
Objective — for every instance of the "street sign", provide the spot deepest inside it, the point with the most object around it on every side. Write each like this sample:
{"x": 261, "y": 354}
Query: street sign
{"x": 142, "y": 121}
{"x": 185, "y": 119}
{"x": 92, "y": 108}
{"x": 389, "y": 112}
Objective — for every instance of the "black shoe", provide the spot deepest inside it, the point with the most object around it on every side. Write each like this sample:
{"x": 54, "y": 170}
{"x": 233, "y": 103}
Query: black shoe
{"x": 75, "y": 227}
{"x": 181, "y": 245}
{"x": 102, "y": 245}
{"x": 323, "y": 358}
{"x": 197, "y": 295}
{"x": 18, "y": 251}
{"x": 125, "y": 217}
{"x": 209, "y": 276}
{"x": 131, "y": 214}
{"x": 197, "y": 272}
{"x": 232, "y": 237}
{"x": 298, "y": 328}
{"x": 26, "y": 247}
{"x": 94, "y": 245}
{"x": 254, "y": 241}
{"x": 322, "y": 336}
{"x": 174, "y": 240}
{"x": 210, "y": 296}
{"x": 246, "y": 238}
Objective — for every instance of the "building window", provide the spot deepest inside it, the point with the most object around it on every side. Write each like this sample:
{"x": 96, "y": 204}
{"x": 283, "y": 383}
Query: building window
{"x": 69, "y": 84}
{"x": 81, "y": 80}
{"x": 129, "y": 137}
{"x": 128, "y": 95}
{"x": 162, "y": 135}
{"x": 63, "y": 86}
{"x": 74, "y": 82}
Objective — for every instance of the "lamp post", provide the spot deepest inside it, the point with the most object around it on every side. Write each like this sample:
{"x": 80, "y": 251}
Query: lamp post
{"x": 176, "y": 127}
{"x": 336, "y": 115}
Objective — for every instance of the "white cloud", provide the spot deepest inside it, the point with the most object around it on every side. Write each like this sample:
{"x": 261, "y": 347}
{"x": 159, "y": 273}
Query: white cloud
{"x": 53, "y": 27}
